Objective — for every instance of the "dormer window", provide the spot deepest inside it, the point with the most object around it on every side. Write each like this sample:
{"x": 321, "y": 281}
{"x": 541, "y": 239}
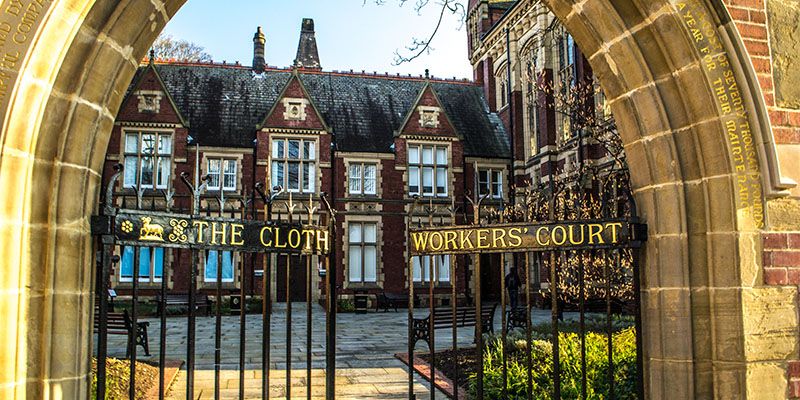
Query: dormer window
{"x": 429, "y": 116}
{"x": 295, "y": 109}
{"x": 149, "y": 101}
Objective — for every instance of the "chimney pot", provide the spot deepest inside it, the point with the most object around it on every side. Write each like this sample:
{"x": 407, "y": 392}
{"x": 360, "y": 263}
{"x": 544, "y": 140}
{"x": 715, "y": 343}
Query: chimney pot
{"x": 259, "y": 42}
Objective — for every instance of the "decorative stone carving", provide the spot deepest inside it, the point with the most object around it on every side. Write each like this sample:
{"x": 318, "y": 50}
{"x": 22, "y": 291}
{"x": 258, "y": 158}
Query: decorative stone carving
{"x": 295, "y": 109}
{"x": 429, "y": 116}
{"x": 149, "y": 101}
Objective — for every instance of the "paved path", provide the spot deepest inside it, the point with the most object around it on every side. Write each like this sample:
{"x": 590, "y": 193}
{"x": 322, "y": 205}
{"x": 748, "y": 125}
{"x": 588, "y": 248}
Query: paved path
{"x": 365, "y": 346}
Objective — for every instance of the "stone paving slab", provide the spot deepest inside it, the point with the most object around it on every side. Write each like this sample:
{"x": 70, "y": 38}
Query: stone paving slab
{"x": 365, "y": 348}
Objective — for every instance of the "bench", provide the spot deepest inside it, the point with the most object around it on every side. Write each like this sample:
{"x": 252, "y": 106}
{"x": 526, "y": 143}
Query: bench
{"x": 386, "y": 300}
{"x": 121, "y": 324}
{"x": 182, "y": 299}
{"x": 443, "y": 318}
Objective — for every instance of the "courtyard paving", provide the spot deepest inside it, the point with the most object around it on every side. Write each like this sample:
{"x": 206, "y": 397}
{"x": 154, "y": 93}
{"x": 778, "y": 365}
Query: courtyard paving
{"x": 365, "y": 346}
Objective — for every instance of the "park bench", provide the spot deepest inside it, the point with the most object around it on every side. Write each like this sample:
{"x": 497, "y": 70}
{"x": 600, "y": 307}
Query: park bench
{"x": 182, "y": 299}
{"x": 121, "y": 324}
{"x": 442, "y": 317}
{"x": 386, "y": 300}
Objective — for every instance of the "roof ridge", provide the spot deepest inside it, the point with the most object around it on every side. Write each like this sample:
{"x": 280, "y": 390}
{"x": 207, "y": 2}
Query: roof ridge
{"x": 363, "y": 73}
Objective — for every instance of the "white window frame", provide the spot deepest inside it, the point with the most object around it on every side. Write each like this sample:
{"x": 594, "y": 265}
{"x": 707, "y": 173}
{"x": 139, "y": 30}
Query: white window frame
{"x": 361, "y": 244}
{"x": 440, "y": 169}
{"x": 442, "y": 264}
{"x": 150, "y": 278}
{"x": 208, "y": 255}
{"x": 221, "y": 173}
{"x": 493, "y": 182}
{"x": 281, "y": 161}
{"x": 134, "y": 157}
{"x": 359, "y": 178}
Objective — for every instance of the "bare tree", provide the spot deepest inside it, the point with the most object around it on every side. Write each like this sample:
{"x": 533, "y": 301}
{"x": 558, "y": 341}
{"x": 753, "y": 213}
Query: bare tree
{"x": 419, "y": 46}
{"x": 166, "y": 46}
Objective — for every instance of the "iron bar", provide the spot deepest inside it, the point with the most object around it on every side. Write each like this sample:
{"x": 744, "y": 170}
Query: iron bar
{"x": 582, "y": 328}
{"x": 610, "y": 327}
{"x": 431, "y": 306}
{"x": 453, "y": 308}
{"x": 102, "y": 315}
{"x": 218, "y": 327}
{"x": 330, "y": 294}
{"x": 242, "y": 309}
{"x": 162, "y": 345}
{"x": 503, "y": 321}
{"x": 310, "y": 209}
{"x": 478, "y": 322}
{"x": 528, "y": 333}
{"x": 555, "y": 313}
{"x": 288, "y": 326}
{"x": 410, "y": 264}
{"x": 134, "y": 326}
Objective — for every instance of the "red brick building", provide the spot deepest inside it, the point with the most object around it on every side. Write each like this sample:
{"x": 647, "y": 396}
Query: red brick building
{"x": 371, "y": 142}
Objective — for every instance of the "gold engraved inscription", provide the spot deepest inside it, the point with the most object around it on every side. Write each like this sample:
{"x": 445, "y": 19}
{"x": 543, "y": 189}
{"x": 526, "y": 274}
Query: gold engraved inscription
{"x": 735, "y": 117}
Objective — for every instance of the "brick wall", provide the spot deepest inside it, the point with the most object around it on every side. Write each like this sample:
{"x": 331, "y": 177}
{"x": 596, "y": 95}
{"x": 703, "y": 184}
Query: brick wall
{"x": 750, "y": 17}
{"x": 781, "y": 258}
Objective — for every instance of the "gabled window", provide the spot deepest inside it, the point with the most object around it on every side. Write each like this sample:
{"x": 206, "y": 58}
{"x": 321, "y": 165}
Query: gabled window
{"x": 222, "y": 174}
{"x": 363, "y": 178}
{"x": 148, "y": 160}
{"x": 428, "y": 170}
{"x": 151, "y": 264}
{"x": 422, "y": 268}
{"x": 294, "y": 164}
{"x": 212, "y": 260}
{"x": 490, "y": 181}
{"x": 362, "y": 252}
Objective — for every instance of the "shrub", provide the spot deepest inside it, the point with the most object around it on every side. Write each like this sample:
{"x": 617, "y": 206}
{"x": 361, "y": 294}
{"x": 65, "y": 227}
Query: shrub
{"x": 597, "y": 385}
{"x": 118, "y": 379}
{"x": 346, "y": 305}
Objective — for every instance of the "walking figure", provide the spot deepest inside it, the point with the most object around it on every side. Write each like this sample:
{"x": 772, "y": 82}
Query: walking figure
{"x": 512, "y": 285}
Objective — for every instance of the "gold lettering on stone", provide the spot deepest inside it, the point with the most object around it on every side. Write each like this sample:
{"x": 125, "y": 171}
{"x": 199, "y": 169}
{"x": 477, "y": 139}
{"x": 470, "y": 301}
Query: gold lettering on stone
{"x": 735, "y": 118}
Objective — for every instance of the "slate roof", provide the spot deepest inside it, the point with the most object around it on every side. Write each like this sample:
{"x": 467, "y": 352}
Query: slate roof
{"x": 224, "y": 104}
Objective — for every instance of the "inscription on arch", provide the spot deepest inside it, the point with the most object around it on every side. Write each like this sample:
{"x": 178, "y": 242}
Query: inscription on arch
{"x": 742, "y": 146}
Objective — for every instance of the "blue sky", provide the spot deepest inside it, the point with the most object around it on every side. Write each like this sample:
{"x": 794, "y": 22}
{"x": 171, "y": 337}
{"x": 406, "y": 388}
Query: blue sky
{"x": 350, "y": 34}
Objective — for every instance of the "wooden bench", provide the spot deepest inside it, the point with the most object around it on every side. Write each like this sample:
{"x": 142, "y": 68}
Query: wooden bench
{"x": 121, "y": 324}
{"x": 182, "y": 299}
{"x": 443, "y": 318}
{"x": 386, "y": 300}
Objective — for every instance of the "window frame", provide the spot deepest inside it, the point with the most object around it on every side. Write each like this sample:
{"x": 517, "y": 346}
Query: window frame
{"x": 285, "y": 160}
{"x": 438, "y": 265}
{"x": 420, "y": 166}
{"x": 494, "y": 179}
{"x": 361, "y": 178}
{"x": 151, "y": 264}
{"x": 222, "y": 172}
{"x": 157, "y": 155}
{"x": 362, "y": 244}
{"x": 207, "y": 257}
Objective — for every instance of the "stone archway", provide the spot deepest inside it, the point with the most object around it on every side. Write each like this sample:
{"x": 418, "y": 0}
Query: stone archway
{"x": 75, "y": 58}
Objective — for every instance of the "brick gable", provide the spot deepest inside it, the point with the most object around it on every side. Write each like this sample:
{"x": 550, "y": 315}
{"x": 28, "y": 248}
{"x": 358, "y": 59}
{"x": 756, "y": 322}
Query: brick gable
{"x": 428, "y": 102}
{"x": 280, "y": 117}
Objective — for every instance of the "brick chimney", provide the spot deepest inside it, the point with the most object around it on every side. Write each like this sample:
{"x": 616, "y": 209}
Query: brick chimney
{"x": 307, "y": 56}
{"x": 259, "y": 40}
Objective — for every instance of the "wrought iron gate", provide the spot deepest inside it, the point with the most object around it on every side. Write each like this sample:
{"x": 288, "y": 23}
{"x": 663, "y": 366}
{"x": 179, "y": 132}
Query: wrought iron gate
{"x": 218, "y": 229}
{"x": 580, "y": 236}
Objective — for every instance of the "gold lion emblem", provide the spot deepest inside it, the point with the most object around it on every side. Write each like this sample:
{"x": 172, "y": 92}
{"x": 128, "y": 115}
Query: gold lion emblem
{"x": 152, "y": 232}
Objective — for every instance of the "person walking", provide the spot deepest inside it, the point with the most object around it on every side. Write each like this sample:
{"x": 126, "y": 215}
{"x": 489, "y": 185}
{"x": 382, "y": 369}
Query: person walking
{"x": 512, "y": 285}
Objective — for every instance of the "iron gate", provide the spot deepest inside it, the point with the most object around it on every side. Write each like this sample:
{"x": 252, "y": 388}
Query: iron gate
{"x": 581, "y": 236}
{"x": 218, "y": 229}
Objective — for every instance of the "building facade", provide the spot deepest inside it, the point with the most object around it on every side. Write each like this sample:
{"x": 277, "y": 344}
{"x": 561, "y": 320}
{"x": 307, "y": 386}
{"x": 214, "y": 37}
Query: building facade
{"x": 371, "y": 142}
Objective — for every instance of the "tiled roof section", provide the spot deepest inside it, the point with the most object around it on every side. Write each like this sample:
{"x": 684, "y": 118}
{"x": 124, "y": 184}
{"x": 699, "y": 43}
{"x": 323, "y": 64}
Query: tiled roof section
{"x": 224, "y": 104}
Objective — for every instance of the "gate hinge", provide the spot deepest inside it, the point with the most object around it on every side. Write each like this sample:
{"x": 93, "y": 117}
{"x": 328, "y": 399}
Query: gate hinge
{"x": 639, "y": 233}
{"x": 102, "y": 225}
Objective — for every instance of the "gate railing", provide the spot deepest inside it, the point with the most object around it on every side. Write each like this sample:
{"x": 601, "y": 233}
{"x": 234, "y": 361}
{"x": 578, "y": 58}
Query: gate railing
{"x": 220, "y": 229}
{"x": 584, "y": 239}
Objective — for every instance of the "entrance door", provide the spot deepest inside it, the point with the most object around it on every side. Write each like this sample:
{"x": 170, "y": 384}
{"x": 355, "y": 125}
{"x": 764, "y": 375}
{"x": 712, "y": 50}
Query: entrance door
{"x": 490, "y": 277}
{"x": 297, "y": 281}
